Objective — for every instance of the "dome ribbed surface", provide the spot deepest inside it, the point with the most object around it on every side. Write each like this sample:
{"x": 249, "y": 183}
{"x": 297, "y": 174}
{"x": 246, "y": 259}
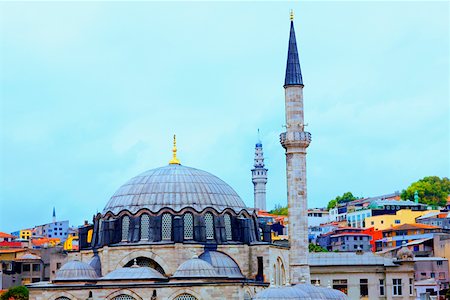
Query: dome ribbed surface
{"x": 300, "y": 292}
{"x": 76, "y": 270}
{"x": 176, "y": 187}
{"x": 195, "y": 268}
{"x": 222, "y": 263}
{"x": 133, "y": 273}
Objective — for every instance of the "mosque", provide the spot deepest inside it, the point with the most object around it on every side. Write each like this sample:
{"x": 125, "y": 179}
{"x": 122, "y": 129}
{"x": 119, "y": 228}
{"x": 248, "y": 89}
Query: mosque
{"x": 180, "y": 233}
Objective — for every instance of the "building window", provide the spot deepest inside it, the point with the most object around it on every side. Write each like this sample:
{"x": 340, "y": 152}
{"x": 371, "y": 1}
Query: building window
{"x": 123, "y": 297}
{"x": 209, "y": 224}
{"x": 145, "y": 224}
{"x": 397, "y": 287}
{"x": 363, "y": 287}
{"x": 432, "y": 275}
{"x": 397, "y": 221}
{"x": 341, "y": 285}
{"x": 36, "y": 267}
{"x": 227, "y": 221}
{"x": 166, "y": 227}
{"x": 125, "y": 228}
{"x": 188, "y": 221}
{"x": 26, "y": 268}
{"x": 315, "y": 282}
{"x": 185, "y": 297}
{"x": 439, "y": 262}
{"x": 381, "y": 287}
{"x": 411, "y": 287}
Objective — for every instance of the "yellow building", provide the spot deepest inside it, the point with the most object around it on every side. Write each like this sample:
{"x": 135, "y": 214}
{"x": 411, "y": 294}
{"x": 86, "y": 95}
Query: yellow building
{"x": 402, "y": 216}
{"x": 25, "y": 234}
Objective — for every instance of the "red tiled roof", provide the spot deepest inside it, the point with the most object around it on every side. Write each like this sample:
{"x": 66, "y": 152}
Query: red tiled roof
{"x": 6, "y": 235}
{"x": 11, "y": 244}
{"x": 412, "y": 226}
{"x": 12, "y": 250}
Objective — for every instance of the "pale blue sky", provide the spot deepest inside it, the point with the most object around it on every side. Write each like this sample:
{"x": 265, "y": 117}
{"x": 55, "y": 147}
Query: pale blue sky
{"x": 91, "y": 94}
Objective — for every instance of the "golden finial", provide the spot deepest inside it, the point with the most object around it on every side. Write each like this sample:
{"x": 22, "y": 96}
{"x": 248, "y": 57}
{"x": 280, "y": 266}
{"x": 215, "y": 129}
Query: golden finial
{"x": 292, "y": 15}
{"x": 174, "y": 160}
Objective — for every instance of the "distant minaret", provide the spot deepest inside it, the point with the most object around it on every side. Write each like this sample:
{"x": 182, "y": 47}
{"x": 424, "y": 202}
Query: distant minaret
{"x": 259, "y": 177}
{"x": 54, "y": 215}
{"x": 295, "y": 140}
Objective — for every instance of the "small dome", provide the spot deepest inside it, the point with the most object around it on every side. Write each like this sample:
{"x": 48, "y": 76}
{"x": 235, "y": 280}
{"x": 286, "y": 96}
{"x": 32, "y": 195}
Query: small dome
{"x": 76, "y": 270}
{"x": 280, "y": 293}
{"x": 222, "y": 263}
{"x": 195, "y": 268}
{"x": 134, "y": 272}
{"x": 316, "y": 292}
{"x": 405, "y": 253}
{"x": 176, "y": 187}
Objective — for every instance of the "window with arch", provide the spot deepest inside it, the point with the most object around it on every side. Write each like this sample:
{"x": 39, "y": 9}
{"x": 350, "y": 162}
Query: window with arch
{"x": 228, "y": 232}
{"x": 100, "y": 229}
{"x": 188, "y": 221}
{"x": 166, "y": 227}
{"x": 185, "y": 296}
{"x": 209, "y": 224}
{"x": 279, "y": 273}
{"x": 125, "y": 228}
{"x": 123, "y": 297}
{"x": 145, "y": 224}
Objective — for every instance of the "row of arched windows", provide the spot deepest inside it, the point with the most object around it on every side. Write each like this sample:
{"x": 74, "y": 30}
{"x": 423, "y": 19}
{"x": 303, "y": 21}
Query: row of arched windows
{"x": 183, "y": 296}
{"x": 166, "y": 226}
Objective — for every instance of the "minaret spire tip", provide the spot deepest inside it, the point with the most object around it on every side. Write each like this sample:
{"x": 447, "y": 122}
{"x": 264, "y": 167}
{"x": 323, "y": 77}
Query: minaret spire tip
{"x": 291, "y": 16}
{"x": 174, "y": 160}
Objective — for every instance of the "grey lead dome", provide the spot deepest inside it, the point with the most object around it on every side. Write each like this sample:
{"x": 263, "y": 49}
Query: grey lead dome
{"x": 176, "y": 187}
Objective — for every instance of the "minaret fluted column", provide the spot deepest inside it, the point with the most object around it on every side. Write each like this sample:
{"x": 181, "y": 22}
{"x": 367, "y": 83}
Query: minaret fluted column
{"x": 259, "y": 178}
{"x": 295, "y": 141}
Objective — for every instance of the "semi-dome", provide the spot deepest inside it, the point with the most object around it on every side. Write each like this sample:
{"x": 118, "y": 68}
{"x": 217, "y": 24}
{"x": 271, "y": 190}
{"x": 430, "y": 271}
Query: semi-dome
{"x": 195, "y": 268}
{"x": 134, "y": 273}
{"x": 222, "y": 263}
{"x": 174, "y": 186}
{"x": 76, "y": 270}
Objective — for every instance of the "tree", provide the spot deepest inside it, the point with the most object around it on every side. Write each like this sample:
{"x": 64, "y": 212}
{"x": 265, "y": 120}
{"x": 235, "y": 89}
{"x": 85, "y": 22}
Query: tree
{"x": 15, "y": 293}
{"x": 346, "y": 197}
{"x": 432, "y": 190}
{"x": 279, "y": 210}
{"x": 316, "y": 248}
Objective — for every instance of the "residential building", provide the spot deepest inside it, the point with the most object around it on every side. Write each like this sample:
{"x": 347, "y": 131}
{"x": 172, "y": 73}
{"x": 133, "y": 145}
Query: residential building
{"x": 58, "y": 229}
{"x": 338, "y": 241}
{"x": 441, "y": 219}
{"x": 395, "y": 236}
{"x": 317, "y": 216}
{"x": 315, "y": 231}
{"x": 432, "y": 267}
{"x": 385, "y": 221}
{"x": 364, "y": 275}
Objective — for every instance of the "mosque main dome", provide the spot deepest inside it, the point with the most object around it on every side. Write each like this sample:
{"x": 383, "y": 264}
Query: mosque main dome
{"x": 175, "y": 187}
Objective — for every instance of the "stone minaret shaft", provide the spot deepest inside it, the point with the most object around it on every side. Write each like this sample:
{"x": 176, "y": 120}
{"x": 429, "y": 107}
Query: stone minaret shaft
{"x": 295, "y": 140}
{"x": 259, "y": 178}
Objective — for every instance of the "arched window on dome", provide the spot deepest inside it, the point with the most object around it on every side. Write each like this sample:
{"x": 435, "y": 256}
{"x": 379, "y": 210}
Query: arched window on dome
{"x": 228, "y": 232}
{"x": 125, "y": 228}
{"x": 188, "y": 221}
{"x": 62, "y": 298}
{"x": 145, "y": 224}
{"x": 166, "y": 227}
{"x": 123, "y": 297}
{"x": 185, "y": 296}
{"x": 209, "y": 226}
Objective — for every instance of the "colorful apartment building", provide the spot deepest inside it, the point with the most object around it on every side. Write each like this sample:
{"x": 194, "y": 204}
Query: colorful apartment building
{"x": 403, "y": 216}
{"x": 405, "y": 233}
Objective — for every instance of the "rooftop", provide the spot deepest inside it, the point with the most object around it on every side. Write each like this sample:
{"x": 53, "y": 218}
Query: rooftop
{"x": 322, "y": 259}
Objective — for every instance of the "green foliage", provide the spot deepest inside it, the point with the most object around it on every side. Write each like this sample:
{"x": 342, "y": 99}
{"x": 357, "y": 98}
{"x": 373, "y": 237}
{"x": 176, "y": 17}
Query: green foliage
{"x": 432, "y": 190}
{"x": 279, "y": 210}
{"x": 316, "y": 248}
{"x": 346, "y": 197}
{"x": 16, "y": 293}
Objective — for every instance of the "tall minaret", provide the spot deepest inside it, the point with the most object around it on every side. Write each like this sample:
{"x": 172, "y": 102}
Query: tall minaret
{"x": 295, "y": 140}
{"x": 54, "y": 215}
{"x": 259, "y": 178}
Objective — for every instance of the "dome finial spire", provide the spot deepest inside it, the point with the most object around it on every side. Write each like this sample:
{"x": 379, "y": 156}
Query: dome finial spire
{"x": 292, "y": 15}
{"x": 174, "y": 160}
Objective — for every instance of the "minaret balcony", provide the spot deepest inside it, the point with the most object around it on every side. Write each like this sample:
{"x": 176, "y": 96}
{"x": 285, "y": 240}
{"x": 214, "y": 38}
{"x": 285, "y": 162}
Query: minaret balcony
{"x": 295, "y": 139}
